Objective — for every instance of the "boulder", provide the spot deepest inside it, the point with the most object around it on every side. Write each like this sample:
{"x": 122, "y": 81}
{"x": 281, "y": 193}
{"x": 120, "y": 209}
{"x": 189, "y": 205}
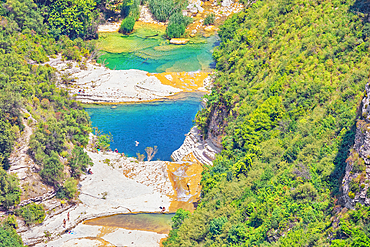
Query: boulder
{"x": 178, "y": 41}
{"x": 227, "y": 3}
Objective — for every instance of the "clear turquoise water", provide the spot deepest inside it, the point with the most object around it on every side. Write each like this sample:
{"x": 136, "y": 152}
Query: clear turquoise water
{"x": 163, "y": 124}
{"x": 156, "y": 56}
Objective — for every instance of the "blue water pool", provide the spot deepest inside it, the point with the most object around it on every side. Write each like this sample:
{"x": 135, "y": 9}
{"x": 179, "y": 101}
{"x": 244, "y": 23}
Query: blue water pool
{"x": 163, "y": 124}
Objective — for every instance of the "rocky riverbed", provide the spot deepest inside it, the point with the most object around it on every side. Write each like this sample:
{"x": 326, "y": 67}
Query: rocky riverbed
{"x": 118, "y": 185}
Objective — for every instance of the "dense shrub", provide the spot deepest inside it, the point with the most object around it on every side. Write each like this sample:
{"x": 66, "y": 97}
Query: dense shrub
{"x": 126, "y": 7}
{"x": 177, "y": 25}
{"x": 161, "y": 9}
{"x": 7, "y": 138}
{"x": 127, "y": 25}
{"x": 179, "y": 218}
{"x": 9, "y": 190}
{"x": 103, "y": 140}
{"x": 78, "y": 161}
{"x": 32, "y": 213}
{"x": 73, "y": 18}
{"x": 215, "y": 226}
{"x": 209, "y": 20}
{"x": 9, "y": 237}
{"x": 52, "y": 170}
{"x": 70, "y": 188}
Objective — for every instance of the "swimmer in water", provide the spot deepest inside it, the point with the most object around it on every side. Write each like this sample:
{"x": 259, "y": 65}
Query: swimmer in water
{"x": 136, "y": 143}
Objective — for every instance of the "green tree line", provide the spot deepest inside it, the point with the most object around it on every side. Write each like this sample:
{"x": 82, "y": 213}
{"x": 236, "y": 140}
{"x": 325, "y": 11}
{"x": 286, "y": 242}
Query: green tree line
{"x": 30, "y": 33}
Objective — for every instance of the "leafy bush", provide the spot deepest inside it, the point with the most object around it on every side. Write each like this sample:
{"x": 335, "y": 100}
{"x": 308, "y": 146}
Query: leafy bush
{"x": 177, "y": 25}
{"x": 7, "y": 138}
{"x": 179, "y": 218}
{"x": 78, "y": 161}
{"x": 215, "y": 226}
{"x": 237, "y": 234}
{"x": 70, "y": 187}
{"x": 354, "y": 186}
{"x": 10, "y": 192}
{"x": 209, "y": 20}
{"x": 10, "y": 221}
{"x": 32, "y": 213}
{"x": 9, "y": 237}
{"x": 127, "y": 25}
{"x": 305, "y": 192}
{"x": 52, "y": 170}
{"x": 103, "y": 140}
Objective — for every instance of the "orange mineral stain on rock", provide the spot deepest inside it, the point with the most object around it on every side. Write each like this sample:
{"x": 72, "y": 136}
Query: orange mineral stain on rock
{"x": 185, "y": 178}
{"x": 187, "y": 81}
{"x": 104, "y": 230}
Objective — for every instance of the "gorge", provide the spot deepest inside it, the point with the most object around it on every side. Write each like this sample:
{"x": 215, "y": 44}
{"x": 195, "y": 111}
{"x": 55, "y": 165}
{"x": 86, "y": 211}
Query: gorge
{"x": 277, "y": 154}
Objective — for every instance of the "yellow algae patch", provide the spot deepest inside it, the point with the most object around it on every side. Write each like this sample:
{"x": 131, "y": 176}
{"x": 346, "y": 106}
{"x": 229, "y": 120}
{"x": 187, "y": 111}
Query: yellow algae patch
{"x": 185, "y": 178}
{"x": 104, "y": 230}
{"x": 145, "y": 35}
{"x": 76, "y": 242}
{"x": 187, "y": 81}
{"x": 150, "y": 26}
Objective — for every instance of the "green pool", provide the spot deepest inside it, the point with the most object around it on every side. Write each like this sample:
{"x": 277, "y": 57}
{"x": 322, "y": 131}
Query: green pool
{"x": 148, "y": 50}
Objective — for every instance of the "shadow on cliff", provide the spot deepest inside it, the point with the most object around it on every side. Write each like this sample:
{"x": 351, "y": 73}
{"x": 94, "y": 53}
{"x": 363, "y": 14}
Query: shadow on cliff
{"x": 361, "y": 6}
{"x": 348, "y": 141}
{"x": 336, "y": 176}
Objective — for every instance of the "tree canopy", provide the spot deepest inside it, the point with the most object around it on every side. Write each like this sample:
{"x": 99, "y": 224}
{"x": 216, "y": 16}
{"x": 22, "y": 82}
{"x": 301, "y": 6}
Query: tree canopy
{"x": 290, "y": 78}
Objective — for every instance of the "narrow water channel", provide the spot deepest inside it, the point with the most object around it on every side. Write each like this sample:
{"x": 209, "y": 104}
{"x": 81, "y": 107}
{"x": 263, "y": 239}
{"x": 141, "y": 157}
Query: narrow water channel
{"x": 160, "y": 123}
{"x": 153, "y": 222}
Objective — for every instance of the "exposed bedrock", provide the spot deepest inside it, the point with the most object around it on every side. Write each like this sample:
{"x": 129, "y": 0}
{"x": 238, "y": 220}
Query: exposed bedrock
{"x": 355, "y": 184}
{"x": 204, "y": 150}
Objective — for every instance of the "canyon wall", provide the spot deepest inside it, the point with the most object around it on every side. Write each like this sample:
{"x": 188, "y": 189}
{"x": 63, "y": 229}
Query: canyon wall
{"x": 355, "y": 184}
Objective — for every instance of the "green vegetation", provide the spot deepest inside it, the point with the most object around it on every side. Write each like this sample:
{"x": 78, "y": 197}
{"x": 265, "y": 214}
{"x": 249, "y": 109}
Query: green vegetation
{"x": 30, "y": 33}
{"x": 78, "y": 161}
{"x": 130, "y": 10}
{"x": 162, "y": 9}
{"x": 32, "y": 213}
{"x": 103, "y": 140}
{"x": 209, "y": 20}
{"x": 73, "y": 18}
{"x": 8, "y": 235}
{"x": 291, "y": 75}
{"x": 170, "y": 10}
{"x": 177, "y": 25}
{"x": 9, "y": 190}
{"x": 127, "y": 25}
{"x": 70, "y": 188}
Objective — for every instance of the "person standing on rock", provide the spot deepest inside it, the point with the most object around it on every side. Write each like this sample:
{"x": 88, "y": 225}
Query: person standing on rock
{"x": 64, "y": 223}
{"x": 68, "y": 216}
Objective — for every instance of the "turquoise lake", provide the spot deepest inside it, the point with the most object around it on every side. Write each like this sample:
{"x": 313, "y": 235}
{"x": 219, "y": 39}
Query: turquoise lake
{"x": 160, "y": 123}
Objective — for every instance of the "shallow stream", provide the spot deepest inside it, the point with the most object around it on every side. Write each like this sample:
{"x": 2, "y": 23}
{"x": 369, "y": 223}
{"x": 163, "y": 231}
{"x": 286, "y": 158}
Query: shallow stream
{"x": 154, "y": 222}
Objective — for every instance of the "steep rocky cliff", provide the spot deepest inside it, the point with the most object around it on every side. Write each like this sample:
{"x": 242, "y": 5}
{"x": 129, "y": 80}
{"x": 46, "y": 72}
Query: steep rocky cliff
{"x": 203, "y": 149}
{"x": 355, "y": 184}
